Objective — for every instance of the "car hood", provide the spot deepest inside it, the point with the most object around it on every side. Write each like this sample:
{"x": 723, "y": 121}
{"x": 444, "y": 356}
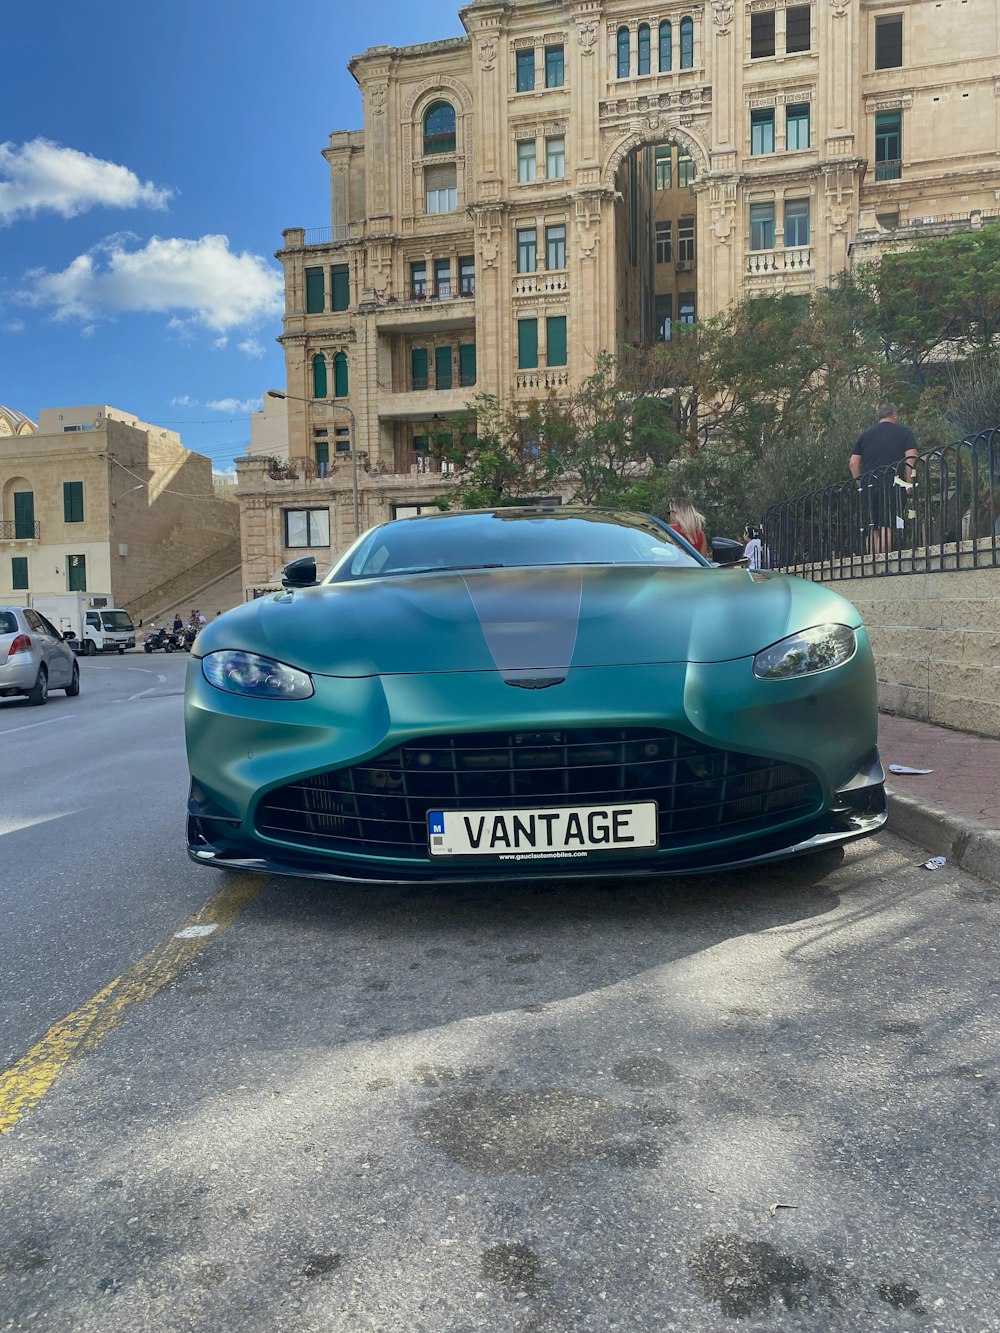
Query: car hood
{"x": 530, "y": 621}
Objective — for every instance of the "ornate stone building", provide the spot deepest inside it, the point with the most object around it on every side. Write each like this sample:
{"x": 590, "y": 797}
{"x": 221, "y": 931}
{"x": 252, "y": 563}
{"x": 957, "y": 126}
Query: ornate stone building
{"x": 575, "y": 174}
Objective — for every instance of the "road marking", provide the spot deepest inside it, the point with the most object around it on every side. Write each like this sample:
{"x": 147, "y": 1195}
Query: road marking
{"x": 49, "y": 722}
{"x": 196, "y": 932}
{"x": 141, "y": 695}
{"x": 146, "y": 671}
{"x": 24, "y": 1084}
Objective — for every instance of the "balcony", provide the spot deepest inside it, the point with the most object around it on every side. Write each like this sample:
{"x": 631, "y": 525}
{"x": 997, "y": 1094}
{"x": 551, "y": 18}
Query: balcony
{"x": 448, "y": 307}
{"x": 416, "y": 400}
{"x": 323, "y": 238}
{"x": 790, "y": 259}
{"x": 556, "y": 378}
{"x": 16, "y": 532}
{"x": 540, "y": 284}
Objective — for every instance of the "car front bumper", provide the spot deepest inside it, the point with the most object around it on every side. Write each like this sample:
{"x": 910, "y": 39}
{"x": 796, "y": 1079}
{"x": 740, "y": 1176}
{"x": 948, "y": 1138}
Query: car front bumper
{"x": 241, "y": 749}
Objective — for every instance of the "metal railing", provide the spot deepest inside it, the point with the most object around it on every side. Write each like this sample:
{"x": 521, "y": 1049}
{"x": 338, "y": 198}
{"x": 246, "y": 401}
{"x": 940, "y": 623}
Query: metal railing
{"x": 948, "y": 518}
{"x": 12, "y": 531}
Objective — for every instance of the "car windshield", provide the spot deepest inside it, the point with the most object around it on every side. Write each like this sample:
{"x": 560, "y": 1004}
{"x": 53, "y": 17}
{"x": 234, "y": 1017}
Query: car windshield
{"x": 509, "y": 538}
{"x": 117, "y": 620}
{"x": 8, "y": 622}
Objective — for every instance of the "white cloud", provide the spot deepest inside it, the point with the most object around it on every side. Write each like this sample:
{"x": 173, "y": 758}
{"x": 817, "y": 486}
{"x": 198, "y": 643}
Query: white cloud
{"x": 88, "y": 330}
{"x": 184, "y": 400}
{"x": 235, "y": 406}
{"x": 14, "y": 326}
{"x": 252, "y": 348}
{"x": 198, "y": 282}
{"x": 45, "y": 177}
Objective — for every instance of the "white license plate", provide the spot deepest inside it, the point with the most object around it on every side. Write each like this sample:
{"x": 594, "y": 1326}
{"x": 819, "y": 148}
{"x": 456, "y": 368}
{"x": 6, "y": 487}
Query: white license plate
{"x": 530, "y": 835}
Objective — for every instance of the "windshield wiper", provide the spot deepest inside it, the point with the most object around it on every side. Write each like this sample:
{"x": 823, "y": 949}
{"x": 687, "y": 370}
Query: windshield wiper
{"x": 433, "y": 569}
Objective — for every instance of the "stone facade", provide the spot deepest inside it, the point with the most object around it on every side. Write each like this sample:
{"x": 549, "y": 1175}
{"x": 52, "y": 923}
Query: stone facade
{"x": 108, "y": 504}
{"x": 504, "y": 213}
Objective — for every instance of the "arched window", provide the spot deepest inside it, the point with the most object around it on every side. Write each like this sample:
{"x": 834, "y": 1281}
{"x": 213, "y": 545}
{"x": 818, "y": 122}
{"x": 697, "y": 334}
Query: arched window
{"x": 666, "y": 46}
{"x": 687, "y": 43}
{"x": 624, "y": 55}
{"x": 439, "y": 128}
{"x": 340, "y": 375}
{"x": 643, "y": 39}
{"x": 319, "y": 376}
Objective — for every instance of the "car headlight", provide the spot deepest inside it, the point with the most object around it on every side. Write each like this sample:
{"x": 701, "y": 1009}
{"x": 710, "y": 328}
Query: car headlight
{"x": 816, "y": 649}
{"x": 259, "y": 677}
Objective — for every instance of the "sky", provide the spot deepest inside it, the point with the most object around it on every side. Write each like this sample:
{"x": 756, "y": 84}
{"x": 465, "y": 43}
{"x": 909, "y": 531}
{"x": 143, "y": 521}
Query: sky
{"x": 150, "y": 158}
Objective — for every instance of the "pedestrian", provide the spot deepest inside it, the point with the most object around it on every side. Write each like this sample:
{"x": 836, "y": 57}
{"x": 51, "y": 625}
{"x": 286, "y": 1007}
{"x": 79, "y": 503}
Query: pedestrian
{"x": 686, "y": 520}
{"x": 178, "y": 623}
{"x": 753, "y": 549}
{"x": 199, "y": 618}
{"x": 882, "y": 453}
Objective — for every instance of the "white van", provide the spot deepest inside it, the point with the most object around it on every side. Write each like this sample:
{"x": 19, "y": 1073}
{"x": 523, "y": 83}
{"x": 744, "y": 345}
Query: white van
{"x": 95, "y": 625}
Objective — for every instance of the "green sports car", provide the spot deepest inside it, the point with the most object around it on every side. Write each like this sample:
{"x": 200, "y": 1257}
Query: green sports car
{"x": 529, "y": 692}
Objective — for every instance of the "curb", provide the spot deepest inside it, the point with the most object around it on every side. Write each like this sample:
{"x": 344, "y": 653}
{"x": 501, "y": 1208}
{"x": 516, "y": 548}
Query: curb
{"x": 965, "y": 842}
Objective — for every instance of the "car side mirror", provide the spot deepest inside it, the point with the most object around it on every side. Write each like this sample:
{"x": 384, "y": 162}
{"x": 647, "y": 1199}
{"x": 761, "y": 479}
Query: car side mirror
{"x": 300, "y": 573}
{"x": 726, "y": 552}
{"x": 68, "y": 635}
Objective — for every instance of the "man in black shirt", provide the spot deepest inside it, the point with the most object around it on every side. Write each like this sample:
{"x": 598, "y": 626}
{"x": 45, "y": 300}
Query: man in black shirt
{"x": 875, "y": 464}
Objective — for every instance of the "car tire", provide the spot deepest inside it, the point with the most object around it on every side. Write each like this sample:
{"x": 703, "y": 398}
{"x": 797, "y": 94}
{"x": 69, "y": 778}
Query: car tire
{"x": 73, "y": 688}
{"x": 121, "y": 652}
{"x": 89, "y": 647}
{"x": 39, "y": 692}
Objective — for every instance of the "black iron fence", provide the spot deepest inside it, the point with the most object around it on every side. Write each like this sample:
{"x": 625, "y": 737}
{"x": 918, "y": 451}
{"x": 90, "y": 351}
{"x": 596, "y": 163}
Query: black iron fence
{"x": 946, "y": 516}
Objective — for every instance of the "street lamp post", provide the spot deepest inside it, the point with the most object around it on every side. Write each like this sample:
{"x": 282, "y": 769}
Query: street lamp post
{"x": 337, "y": 407}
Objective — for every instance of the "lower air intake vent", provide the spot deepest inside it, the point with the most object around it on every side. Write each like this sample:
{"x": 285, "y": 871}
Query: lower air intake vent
{"x": 379, "y": 807}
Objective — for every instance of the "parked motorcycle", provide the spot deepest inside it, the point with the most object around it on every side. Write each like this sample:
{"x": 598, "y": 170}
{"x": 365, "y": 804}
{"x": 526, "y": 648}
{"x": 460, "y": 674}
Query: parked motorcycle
{"x": 187, "y": 636}
{"x": 161, "y": 638}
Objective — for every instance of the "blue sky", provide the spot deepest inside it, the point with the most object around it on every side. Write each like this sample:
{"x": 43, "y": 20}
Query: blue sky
{"x": 150, "y": 157}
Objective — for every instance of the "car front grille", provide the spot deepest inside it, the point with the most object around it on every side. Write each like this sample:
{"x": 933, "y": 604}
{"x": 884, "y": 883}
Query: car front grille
{"x": 379, "y": 807}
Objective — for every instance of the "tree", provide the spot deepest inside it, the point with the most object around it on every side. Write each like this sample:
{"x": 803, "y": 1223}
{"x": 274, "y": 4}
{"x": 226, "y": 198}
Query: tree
{"x": 505, "y": 452}
{"x": 938, "y": 297}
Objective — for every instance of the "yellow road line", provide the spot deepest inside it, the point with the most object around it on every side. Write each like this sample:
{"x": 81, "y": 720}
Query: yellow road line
{"x": 24, "y": 1085}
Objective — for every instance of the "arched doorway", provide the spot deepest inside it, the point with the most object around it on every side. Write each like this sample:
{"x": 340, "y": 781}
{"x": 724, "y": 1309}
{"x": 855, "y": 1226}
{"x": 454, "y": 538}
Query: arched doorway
{"x": 656, "y": 285}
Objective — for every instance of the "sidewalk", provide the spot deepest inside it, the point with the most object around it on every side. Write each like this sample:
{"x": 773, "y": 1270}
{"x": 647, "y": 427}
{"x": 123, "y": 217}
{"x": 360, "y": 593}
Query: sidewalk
{"x": 955, "y": 810}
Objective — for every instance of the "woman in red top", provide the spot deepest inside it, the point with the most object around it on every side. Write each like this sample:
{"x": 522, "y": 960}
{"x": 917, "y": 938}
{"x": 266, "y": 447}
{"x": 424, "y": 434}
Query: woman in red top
{"x": 686, "y": 520}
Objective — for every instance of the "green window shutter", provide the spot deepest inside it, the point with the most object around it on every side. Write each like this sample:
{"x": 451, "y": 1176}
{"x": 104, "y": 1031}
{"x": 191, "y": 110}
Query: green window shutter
{"x": 77, "y": 569}
{"x": 24, "y": 514}
{"x": 527, "y": 344}
{"x": 319, "y": 376}
{"x": 19, "y": 571}
{"x": 322, "y": 453}
{"x": 418, "y": 367}
{"x": 555, "y": 340}
{"x": 340, "y": 375}
{"x": 314, "y": 291}
{"x": 442, "y": 367}
{"x": 73, "y": 501}
{"x": 467, "y": 364}
{"x": 340, "y": 284}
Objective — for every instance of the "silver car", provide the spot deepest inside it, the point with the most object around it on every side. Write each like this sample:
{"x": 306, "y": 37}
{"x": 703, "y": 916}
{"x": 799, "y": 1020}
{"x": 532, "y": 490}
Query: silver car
{"x": 34, "y": 657}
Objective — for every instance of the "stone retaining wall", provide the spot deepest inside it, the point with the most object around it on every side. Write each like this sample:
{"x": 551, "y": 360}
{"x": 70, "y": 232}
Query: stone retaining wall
{"x": 936, "y": 638}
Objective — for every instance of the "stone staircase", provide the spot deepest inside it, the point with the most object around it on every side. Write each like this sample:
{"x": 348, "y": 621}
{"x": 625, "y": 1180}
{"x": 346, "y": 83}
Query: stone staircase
{"x": 212, "y": 584}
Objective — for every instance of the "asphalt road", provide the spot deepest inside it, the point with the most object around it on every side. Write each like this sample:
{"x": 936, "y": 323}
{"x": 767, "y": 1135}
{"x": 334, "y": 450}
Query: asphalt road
{"x": 760, "y": 1101}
